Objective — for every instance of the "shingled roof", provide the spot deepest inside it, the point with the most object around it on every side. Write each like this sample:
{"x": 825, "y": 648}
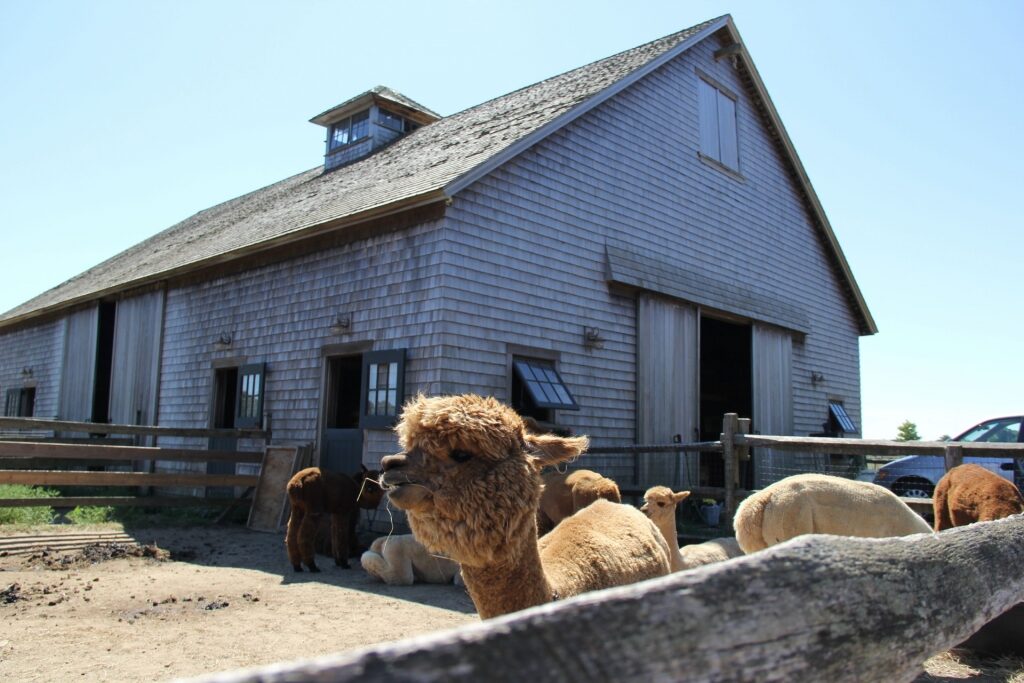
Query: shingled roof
{"x": 428, "y": 165}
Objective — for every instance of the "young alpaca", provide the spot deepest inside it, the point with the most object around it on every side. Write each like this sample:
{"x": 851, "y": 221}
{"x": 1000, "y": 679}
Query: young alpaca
{"x": 468, "y": 479}
{"x": 313, "y": 492}
{"x": 660, "y": 506}
{"x": 822, "y": 504}
{"x": 971, "y": 493}
{"x": 564, "y": 494}
{"x": 402, "y": 560}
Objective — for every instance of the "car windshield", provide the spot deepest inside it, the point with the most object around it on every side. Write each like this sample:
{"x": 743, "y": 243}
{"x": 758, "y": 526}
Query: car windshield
{"x": 1003, "y": 430}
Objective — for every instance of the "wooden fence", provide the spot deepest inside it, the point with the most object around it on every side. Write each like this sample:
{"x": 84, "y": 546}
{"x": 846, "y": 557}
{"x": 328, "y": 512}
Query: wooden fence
{"x": 816, "y": 609}
{"x": 16, "y": 454}
{"x": 736, "y": 443}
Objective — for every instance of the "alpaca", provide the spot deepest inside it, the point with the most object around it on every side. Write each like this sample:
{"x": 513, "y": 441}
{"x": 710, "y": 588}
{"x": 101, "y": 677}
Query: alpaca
{"x": 660, "y": 506}
{"x": 313, "y": 492}
{"x": 822, "y": 504}
{"x": 971, "y": 493}
{"x": 566, "y": 493}
{"x": 468, "y": 478}
{"x": 402, "y": 560}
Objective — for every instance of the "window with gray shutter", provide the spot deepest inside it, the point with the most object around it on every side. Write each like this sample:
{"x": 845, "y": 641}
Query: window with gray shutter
{"x": 719, "y": 138}
{"x": 249, "y": 397}
{"x": 383, "y": 388}
{"x": 537, "y": 388}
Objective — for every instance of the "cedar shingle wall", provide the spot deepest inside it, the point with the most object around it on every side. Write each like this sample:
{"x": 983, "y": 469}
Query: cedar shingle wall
{"x": 527, "y": 262}
{"x": 39, "y": 348}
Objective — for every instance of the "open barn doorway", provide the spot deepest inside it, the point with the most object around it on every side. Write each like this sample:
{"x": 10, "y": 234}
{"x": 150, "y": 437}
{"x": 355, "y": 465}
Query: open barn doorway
{"x": 341, "y": 447}
{"x": 725, "y": 387}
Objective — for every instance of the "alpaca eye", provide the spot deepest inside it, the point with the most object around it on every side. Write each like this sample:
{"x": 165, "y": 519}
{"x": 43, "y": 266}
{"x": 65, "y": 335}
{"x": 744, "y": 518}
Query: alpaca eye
{"x": 460, "y": 456}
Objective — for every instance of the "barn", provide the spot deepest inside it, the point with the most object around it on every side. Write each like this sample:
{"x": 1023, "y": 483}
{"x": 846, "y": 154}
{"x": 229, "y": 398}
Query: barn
{"x": 627, "y": 250}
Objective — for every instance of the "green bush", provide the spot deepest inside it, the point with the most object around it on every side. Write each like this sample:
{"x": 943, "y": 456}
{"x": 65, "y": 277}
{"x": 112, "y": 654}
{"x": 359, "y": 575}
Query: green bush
{"x": 26, "y": 515}
{"x": 91, "y": 515}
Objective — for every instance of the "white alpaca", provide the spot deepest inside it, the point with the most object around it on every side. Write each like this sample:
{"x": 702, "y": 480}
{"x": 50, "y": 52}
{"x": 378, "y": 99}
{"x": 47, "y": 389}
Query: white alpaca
{"x": 822, "y": 504}
{"x": 660, "y": 505}
{"x": 402, "y": 560}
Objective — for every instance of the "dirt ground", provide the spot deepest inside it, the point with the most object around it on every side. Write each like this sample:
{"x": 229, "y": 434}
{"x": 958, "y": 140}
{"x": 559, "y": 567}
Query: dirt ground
{"x": 186, "y": 602}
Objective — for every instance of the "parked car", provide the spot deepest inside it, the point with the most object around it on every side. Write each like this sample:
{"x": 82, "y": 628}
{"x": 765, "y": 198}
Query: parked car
{"x": 915, "y": 476}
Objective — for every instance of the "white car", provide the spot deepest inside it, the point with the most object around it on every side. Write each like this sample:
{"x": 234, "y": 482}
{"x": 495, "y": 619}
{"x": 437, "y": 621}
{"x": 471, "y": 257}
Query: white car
{"x": 915, "y": 476}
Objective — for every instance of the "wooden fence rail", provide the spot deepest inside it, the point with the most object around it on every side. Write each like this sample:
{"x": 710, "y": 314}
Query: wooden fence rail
{"x": 42, "y": 425}
{"x": 816, "y": 609}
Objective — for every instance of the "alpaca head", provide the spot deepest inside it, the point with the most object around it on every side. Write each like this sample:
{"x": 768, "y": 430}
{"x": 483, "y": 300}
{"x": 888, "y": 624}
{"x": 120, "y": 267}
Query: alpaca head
{"x": 660, "y": 503}
{"x": 370, "y": 493}
{"x": 468, "y": 476}
{"x": 586, "y": 492}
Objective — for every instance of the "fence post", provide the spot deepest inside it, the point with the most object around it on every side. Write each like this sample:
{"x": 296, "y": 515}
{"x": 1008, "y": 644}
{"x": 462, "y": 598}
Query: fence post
{"x": 730, "y": 425}
{"x": 743, "y": 452}
{"x": 954, "y": 455}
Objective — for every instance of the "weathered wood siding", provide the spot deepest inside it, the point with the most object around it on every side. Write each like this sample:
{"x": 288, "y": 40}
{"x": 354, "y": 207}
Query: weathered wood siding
{"x": 78, "y": 373}
{"x": 136, "y": 360}
{"x": 526, "y": 261}
{"x": 38, "y": 349}
{"x": 281, "y": 315}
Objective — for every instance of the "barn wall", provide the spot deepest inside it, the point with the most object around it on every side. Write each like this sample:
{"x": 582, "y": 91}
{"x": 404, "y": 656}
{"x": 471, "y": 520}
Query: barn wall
{"x": 280, "y": 315}
{"x": 40, "y": 349}
{"x": 528, "y": 266}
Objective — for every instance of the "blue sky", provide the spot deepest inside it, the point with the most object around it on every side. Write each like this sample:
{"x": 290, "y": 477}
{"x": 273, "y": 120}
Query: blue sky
{"x": 118, "y": 119}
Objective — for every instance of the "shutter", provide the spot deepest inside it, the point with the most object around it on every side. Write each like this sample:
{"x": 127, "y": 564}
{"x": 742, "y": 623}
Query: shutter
{"x": 727, "y": 138}
{"x": 772, "y": 369}
{"x": 707, "y": 96}
{"x": 666, "y": 386}
{"x": 382, "y": 390}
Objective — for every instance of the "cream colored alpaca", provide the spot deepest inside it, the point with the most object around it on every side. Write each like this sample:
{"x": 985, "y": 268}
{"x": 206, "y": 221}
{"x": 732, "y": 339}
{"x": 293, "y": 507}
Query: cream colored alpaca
{"x": 468, "y": 479}
{"x": 660, "y": 506}
{"x": 402, "y": 560}
{"x": 822, "y": 504}
{"x": 566, "y": 493}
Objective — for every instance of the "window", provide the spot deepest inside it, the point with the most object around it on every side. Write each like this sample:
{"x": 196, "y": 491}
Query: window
{"x": 20, "y": 402}
{"x": 383, "y": 387}
{"x": 354, "y": 128}
{"x": 718, "y": 135}
{"x": 391, "y": 120}
{"x": 839, "y": 419}
{"x": 249, "y": 396}
{"x": 537, "y": 388}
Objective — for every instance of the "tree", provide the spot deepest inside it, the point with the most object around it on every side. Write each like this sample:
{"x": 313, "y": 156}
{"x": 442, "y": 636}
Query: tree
{"x": 907, "y": 432}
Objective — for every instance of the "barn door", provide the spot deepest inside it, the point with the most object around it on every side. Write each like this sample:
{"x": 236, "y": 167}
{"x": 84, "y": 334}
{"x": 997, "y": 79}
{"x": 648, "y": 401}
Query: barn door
{"x": 666, "y": 386}
{"x": 342, "y": 438}
{"x": 772, "y": 365}
{"x": 78, "y": 375}
{"x": 136, "y": 360}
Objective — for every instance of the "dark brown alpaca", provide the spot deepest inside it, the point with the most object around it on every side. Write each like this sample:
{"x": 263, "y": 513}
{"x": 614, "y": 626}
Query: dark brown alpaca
{"x": 971, "y": 493}
{"x": 314, "y": 492}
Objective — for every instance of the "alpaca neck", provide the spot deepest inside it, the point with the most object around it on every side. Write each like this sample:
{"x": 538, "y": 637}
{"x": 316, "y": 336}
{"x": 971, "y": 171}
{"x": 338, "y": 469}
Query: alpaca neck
{"x": 504, "y": 587}
{"x": 667, "y": 526}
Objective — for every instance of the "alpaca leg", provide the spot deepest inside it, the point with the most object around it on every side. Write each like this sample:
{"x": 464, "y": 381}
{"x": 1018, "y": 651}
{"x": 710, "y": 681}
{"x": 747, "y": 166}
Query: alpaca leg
{"x": 307, "y": 534}
{"x": 291, "y": 539}
{"x": 353, "y": 537}
{"x": 339, "y": 539}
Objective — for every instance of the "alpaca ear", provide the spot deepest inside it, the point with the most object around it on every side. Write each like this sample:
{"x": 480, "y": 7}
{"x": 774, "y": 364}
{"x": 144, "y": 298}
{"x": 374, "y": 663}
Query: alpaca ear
{"x": 548, "y": 449}
{"x": 681, "y": 496}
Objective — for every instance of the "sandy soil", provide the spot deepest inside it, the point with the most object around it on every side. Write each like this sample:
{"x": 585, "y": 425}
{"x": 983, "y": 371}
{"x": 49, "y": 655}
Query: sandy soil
{"x": 185, "y": 602}
{"x": 207, "y": 600}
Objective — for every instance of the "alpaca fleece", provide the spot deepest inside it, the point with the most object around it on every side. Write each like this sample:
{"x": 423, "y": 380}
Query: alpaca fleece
{"x": 564, "y": 494}
{"x": 822, "y": 504}
{"x": 468, "y": 479}
{"x": 970, "y": 493}
{"x": 313, "y": 492}
{"x": 660, "y": 504}
{"x": 402, "y": 560}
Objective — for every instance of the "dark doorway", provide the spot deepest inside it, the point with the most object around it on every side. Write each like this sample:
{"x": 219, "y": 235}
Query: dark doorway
{"x": 225, "y": 397}
{"x": 104, "y": 362}
{"x": 725, "y": 387}
{"x": 342, "y": 442}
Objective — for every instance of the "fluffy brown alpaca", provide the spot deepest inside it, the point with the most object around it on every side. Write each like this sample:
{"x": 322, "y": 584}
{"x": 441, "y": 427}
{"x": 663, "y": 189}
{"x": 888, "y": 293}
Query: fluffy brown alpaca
{"x": 971, "y": 493}
{"x": 468, "y": 479}
{"x": 313, "y": 492}
{"x": 567, "y": 493}
{"x": 660, "y": 506}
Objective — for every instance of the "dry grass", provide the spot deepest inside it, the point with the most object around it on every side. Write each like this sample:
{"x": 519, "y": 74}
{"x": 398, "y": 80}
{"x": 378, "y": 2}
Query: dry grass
{"x": 958, "y": 666}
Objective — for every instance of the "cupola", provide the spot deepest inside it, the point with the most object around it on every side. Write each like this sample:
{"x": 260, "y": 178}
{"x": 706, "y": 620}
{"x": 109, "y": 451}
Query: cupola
{"x": 358, "y": 127}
